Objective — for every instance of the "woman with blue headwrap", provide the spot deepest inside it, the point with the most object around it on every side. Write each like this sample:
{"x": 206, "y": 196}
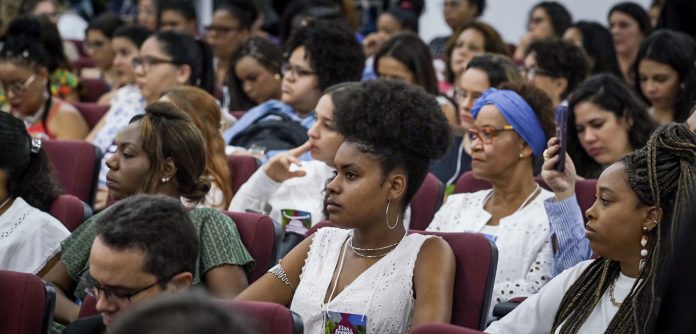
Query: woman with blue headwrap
{"x": 511, "y": 126}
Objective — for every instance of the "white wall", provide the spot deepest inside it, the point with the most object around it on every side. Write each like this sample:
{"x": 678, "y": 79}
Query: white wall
{"x": 509, "y": 17}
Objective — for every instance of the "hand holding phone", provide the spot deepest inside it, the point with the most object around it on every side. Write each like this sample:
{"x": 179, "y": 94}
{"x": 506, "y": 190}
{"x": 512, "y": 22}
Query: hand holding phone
{"x": 561, "y": 134}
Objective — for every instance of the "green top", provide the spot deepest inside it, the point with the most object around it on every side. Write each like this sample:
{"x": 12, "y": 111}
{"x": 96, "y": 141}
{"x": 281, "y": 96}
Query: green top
{"x": 219, "y": 244}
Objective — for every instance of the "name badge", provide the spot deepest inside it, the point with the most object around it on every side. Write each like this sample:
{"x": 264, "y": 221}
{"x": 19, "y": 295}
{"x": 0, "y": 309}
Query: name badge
{"x": 344, "y": 323}
{"x": 296, "y": 220}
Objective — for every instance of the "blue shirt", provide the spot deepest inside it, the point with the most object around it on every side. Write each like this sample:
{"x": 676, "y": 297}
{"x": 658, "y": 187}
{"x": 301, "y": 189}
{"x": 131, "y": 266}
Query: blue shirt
{"x": 567, "y": 225}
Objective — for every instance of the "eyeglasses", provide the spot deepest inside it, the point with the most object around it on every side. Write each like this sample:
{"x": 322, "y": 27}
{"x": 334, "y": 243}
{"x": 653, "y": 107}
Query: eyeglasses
{"x": 487, "y": 133}
{"x": 19, "y": 87}
{"x": 95, "y": 290}
{"x": 221, "y": 30}
{"x": 147, "y": 61}
{"x": 531, "y": 72}
{"x": 296, "y": 71}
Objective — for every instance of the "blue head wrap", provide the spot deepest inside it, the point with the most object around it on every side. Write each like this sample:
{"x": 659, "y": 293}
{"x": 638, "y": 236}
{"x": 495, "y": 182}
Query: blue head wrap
{"x": 517, "y": 113}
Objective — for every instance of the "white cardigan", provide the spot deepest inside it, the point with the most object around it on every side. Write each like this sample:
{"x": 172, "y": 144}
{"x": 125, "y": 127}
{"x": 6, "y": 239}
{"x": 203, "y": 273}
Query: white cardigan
{"x": 525, "y": 256}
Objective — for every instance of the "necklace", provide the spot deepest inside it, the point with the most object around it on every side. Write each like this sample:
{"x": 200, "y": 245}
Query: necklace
{"x": 612, "y": 298}
{"x": 526, "y": 201}
{"x": 4, "y": 203}
{"x": 357, "y": 250}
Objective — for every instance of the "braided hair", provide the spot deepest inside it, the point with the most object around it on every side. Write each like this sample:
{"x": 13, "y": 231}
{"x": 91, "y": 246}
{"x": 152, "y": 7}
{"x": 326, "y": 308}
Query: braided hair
{"x": 662, "y": 174}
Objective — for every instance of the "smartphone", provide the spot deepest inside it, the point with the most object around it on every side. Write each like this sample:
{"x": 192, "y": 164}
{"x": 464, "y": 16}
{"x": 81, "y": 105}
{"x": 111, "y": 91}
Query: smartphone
{"x": 561, "y": 134}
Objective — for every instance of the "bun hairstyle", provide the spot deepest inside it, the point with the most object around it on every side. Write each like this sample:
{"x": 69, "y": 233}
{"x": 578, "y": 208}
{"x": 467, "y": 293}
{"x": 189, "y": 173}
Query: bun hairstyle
{"x": 399, "y": 124}
{"x": 169, "y": 133}
{"x": 29, "y": 173}
{"x": 662, "y": 174}
{"x": 197, "y": 54}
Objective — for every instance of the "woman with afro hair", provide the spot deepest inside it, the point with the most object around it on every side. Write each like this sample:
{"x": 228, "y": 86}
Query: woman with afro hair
{"x": 383, "y": 277}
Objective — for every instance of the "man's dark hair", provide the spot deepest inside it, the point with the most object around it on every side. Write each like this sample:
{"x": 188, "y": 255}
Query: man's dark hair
{"x": 563, "y": 59}
{"x": 244, "y": 11}
{"x": 157, "y": 225}
{"x": 183, "y": 7}
{"x": 107, "y": 24}
{"x": 334, "y": 52}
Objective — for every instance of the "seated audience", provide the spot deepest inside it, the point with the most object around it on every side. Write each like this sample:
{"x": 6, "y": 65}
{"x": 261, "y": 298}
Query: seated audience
{"x": 382, "y": 275}
{"x": 206, "y": 116}
{"x": 606, "y": 121}
{"x": 144, "y": 246}
{"x": 161, "y": 152}
{"x": 405, "y": 57}
{"x": 556, "y": 67}
{"x": 319, "y": 55}
{"x": 629, "y": 24}
{"x": 641, "y": 202}
{"x": 30, "y": 237}
{"x": 666, "y": 75}
{"x": 254, "y": 75}
{"x": 275, "y": 188}
{"x": 64, "y": 83}
{"x": 125, "y": 44}
{"x": 177, "y": 15}
{"x": 98, "y": 46}
{"x": 457, "y": 13}
{"x": 482, "y": 72}
{"x": 147, "y": 14}
{"x": 510, "y": 130}
{"x": 166, "y": 59}
{"x": 182, "y": 313}
{"x": 596, "y": 40}
{"x": 232, "y": 23}
{"x": 25, "y": 68}
{"x": 545, "y": 20}
{"x": 471, "y": 40}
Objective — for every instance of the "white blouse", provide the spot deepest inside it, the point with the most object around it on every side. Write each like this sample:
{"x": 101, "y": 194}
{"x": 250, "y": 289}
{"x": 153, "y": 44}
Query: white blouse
{"x": 536, "y": 314}
{"x": 525, "y": 256}
{"x": 383, "y": 292}
{"x": 29, "y": 238}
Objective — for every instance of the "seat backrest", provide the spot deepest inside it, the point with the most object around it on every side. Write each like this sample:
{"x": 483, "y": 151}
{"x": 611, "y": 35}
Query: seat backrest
{"x": 442, "y": 329}
{"x": 266, "y": 318}
{"x": 91, "y": 112}
{"x": 70, "y": 211}
{"x": 261, "y": 236}
{"x": 88, "y": 307}
{"x": 77, "y": 166}
{"x": 26, "y": 303}
{"x": 476, "y": 258}
{"x": 584, "y": 189}
{"x": 82, "y": 62}
{"x": 426, "y": 201}
{"x": 242, "y": 168}
{"x": 92, "y": 89}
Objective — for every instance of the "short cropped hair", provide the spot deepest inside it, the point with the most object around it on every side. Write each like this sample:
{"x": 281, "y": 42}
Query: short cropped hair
{"x": 157, "y": 225}
{"x": 562, "y": 58}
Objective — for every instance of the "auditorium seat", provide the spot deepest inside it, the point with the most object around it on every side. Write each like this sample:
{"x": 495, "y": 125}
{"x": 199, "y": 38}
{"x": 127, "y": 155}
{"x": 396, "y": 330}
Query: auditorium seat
{"x": 70, "y": 211}
{"x": 261, "y": 236}
{"x": 26, "y": 303}
{"x": 425, "y": 203}
{"x": 91, "y": 112}
{"x": 266, "y": 318}
{"x": 242, "y": 168}
{"x": 77, "y": 166}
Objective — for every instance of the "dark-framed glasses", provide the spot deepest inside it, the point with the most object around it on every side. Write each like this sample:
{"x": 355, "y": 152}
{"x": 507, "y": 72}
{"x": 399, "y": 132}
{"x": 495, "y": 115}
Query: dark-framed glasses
{"x": 531, "y": 72}
{"x": 94, "y": 289}
{"x": 487, "y": 133}
{"x": 296, "y": 71}
{"x": 147, "y": 61}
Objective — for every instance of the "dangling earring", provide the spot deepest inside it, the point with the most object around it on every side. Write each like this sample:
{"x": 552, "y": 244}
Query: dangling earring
{"x": 386, "y": 213}
{"x": 643, "y": 251}
{"x": 165, "y": 180}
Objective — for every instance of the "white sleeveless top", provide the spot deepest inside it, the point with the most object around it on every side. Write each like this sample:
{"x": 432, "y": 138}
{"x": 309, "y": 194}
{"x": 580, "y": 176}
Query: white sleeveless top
{"x": 383, "y": 292}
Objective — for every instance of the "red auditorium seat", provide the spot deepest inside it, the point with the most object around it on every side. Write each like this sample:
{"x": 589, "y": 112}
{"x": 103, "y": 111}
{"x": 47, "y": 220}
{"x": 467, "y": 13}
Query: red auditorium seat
{"x": 91, "y": 112}
{"x": 242, "y": 168}
{"x": 261, "y": 236}
{"x": 70, "y": 211}
{"x": 442, "y": 329}
{"x": 92, "y": 89}
{"x": 26, "y": 305}
{"x": 266, "y": 318}
{"x": 426, "y": 202}
{"x": 77, "y": 166}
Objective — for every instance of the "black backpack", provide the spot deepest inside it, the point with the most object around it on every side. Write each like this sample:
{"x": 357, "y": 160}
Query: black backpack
{"x": 274, "y": 131}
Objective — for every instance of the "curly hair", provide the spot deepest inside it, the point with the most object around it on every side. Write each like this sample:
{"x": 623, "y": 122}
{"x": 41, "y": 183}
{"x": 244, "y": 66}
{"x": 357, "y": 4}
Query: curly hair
{"x": 563, "y": 59}
{"x": 662, "y": 174}
{"x": 400, "y": 124}
{"x": 559, "y": 15}
{"x": 611, "y": 94}
{"x": 334, "y": 53}
{"x": 266, "y": 54}
{"x": 29, "y": 175}
{"x": 678, "y": 51}
{"x": 168, "y": 132}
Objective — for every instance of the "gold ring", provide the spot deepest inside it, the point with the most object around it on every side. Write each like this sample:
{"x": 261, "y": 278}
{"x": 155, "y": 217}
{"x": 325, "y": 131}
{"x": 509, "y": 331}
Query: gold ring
{"x": 546, "y": 155}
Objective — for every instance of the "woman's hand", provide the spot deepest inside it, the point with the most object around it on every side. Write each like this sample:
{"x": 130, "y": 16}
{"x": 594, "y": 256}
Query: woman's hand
{"x": 561, "y": 183}
{"x": 373, "y": 42}
{"x": 278, "y": 168}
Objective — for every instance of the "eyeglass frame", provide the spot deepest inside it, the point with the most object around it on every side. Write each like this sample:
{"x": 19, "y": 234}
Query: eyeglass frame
{"x": 95, "y": 290}
{"x": 140, "y": 61}
{"x": 19, "y": 88}
{"x": 475, "y": 133}
{"x": 296, "y": 71}
{"x": 531, "y": 72}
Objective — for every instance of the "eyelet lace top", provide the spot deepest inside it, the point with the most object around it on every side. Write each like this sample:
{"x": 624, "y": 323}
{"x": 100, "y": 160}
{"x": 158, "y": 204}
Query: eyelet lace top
{"x": 383, "y": 292}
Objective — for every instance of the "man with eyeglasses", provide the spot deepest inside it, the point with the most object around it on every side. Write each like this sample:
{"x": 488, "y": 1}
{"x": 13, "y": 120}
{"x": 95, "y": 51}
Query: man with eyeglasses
{"x": 556, "y": 67}
{"x": 146, "y": 246}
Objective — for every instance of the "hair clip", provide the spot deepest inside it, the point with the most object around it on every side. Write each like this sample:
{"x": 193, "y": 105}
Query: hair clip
{"x": 25, "y": 53}
{"x": 35, "y": 145}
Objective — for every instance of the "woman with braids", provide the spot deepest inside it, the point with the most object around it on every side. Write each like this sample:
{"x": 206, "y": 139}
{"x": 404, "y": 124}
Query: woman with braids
{"x": 25, "y": 69}
{"x": 30, "y": 237}
{"x": 640, "y": 204}
{"x": 161, "y": 152}
{"x": 372, "y": 272}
